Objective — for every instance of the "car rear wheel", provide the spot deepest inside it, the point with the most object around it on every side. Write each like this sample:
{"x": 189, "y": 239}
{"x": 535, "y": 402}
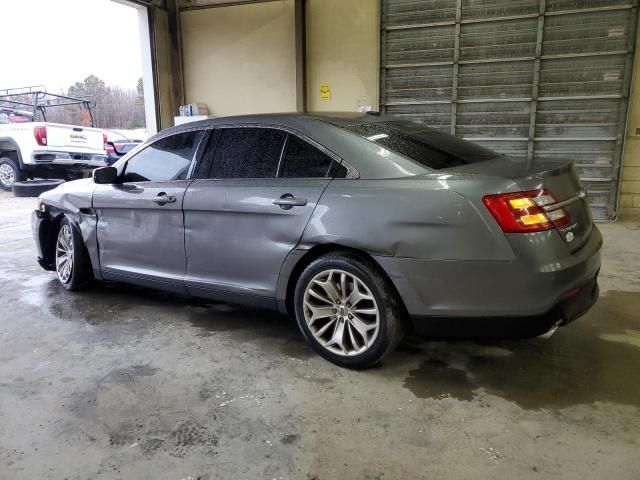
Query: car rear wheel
{"x": 71, "y": 258}
{"x": 9, "y": 173}
{"x": 348, "y": 310}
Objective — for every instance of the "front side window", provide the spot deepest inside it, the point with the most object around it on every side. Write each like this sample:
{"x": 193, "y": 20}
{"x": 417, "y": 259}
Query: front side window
{"x": 165, "y": 160}
{"x": 247, "y": 153}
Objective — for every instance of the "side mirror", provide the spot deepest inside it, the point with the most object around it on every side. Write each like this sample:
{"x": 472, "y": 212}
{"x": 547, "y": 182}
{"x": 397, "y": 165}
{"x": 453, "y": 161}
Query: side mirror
{"x": 105, "y": 175}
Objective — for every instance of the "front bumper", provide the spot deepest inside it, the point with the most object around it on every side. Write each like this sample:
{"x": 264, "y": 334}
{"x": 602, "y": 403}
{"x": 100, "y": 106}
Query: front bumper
{"x": 40, "y": 223}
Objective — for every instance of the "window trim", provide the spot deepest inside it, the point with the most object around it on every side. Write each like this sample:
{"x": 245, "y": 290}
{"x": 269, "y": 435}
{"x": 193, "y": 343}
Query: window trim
{"x": 352, "y": 172}
{"x": 199, "y": 151}
{"x": 202, "y": 161}
{"x": 285, "y": 144}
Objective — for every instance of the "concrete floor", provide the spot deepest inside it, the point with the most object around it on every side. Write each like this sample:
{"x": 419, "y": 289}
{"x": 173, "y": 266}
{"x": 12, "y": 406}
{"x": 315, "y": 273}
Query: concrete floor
{"x": 121, "y": 382}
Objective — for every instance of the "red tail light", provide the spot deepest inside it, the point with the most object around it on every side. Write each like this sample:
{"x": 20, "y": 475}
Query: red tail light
{"x": 530, "y": 211}
{"x": 41, "y": 135}
{"x": 105, "y": 139}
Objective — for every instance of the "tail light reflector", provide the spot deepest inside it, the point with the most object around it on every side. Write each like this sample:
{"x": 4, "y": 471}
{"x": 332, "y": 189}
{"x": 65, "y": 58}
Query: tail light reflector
{"x": 40, "y": 133}
{"x": 530, "y": 211}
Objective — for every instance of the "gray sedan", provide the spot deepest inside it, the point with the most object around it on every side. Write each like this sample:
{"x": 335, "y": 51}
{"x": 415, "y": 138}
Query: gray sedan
{"x": 360, "y": 226}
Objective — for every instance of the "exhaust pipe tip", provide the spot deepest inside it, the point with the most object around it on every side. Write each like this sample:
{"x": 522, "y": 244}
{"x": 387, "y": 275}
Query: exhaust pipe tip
{"x": 551, "y": 331}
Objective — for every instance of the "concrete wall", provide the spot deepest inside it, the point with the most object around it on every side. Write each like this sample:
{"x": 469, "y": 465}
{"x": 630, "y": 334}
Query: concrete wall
{"x": 630, "y": 192}
{"x": 240, "y": 58}
{"x": 343, "y": 51}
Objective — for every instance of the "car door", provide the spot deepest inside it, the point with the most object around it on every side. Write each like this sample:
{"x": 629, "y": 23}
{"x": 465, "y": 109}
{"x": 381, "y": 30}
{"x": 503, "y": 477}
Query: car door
{"x": 140, "y": 221}
{"x": 248, "y": 211}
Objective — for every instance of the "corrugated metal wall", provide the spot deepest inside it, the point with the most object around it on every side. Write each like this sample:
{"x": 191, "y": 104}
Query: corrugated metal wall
{"x": 529, "y": 78}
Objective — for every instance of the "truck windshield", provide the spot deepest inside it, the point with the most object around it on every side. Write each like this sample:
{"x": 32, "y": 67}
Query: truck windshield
{"x": 426, "y": 146}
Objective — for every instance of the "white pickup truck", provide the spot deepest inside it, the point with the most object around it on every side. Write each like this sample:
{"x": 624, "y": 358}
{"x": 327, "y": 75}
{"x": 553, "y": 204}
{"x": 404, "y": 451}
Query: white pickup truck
{"x": 48, "y": 150}
{"x": 32, "y": 147}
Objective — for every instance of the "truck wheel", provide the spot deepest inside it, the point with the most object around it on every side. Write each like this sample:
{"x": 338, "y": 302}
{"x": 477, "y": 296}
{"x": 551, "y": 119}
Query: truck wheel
{"x": 9, "y": 173}
{"x": 33, "y": 188}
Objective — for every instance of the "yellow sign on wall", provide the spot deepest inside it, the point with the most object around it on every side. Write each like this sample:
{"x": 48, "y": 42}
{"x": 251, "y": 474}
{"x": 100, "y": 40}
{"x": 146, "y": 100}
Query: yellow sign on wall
{"x": 325, "y": 91}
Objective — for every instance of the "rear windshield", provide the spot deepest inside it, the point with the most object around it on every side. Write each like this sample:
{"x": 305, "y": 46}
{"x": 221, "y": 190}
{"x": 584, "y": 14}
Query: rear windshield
{"x": 426, "y": 146}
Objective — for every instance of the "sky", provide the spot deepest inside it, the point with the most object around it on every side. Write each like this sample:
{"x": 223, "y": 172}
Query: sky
{"x": 58, "y": 42}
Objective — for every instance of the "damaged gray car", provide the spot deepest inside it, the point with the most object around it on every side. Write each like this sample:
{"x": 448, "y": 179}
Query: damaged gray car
{"x": 362, "y": 227}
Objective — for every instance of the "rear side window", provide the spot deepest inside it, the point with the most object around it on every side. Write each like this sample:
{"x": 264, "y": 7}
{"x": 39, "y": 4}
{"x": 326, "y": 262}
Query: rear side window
{"x": 303, "y": 160}
{"x": 165, "y": 160}
{"x": 428, "y": 147}
{"x": 338, "y": 170}
{"x": 247, "y": 153}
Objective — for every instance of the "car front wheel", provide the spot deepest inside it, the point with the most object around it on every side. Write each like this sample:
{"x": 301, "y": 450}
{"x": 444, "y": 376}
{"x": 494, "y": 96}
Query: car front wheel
{"x": 348, "y": 310}
{"x": 71, "y": 259}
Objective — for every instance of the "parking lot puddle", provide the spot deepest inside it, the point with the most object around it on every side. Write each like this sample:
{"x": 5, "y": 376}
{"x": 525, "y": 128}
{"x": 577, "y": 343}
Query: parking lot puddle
{"x": 630, "y": 337}
{"x": 444, "y": 381}
{"x": 592, "y": 360}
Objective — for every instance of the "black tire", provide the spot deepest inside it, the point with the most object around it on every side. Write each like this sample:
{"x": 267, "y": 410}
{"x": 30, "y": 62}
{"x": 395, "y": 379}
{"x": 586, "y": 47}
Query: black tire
{"x": 81, "y": 273}
{"x": 391, "y": 314}
{"x": 9, "y": 167}
{"x": 34, "y": 188}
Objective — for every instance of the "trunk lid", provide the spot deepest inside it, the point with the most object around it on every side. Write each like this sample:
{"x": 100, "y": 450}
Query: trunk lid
{"x": 71, "y": 138}
{"x": 559, "y": 179}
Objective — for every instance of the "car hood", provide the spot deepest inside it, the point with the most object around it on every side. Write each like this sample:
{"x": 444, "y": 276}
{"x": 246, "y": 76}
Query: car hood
{"x": 71, "y": 196}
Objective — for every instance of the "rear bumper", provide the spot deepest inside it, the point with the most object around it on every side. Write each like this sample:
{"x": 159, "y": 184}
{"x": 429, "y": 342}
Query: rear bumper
{"x": 532, "y": 286}
{"x": 68, "y": 159}
{"x": 564, "y": 312}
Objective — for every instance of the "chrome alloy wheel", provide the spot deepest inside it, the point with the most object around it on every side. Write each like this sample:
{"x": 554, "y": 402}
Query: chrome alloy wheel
{"x": 64, "y": 254}
{"x": 7, "y": 175}
{"x": 341, "y": 312}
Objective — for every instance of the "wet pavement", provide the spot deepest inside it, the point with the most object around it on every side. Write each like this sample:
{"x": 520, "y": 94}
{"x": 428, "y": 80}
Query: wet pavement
{"x": 124, "y": 382}
{"x": 596, "y": 359}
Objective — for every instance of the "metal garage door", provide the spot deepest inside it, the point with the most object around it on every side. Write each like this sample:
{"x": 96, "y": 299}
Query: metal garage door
{"x": 529, "y": 78}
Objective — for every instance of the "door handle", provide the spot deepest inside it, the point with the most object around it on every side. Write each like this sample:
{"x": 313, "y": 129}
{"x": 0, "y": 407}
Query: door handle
{"x": 288, "y": 201}
{"x": 163, "y": 199}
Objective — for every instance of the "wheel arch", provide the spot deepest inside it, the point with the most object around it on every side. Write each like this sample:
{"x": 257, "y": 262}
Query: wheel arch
{"x": 48, "y": 234}
{"x": 10, "y": 146}
{"x": 298, "y": 260}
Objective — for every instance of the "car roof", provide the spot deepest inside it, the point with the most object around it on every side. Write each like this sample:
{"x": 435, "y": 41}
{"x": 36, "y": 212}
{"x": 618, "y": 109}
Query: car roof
{"x": 339, "y": 119}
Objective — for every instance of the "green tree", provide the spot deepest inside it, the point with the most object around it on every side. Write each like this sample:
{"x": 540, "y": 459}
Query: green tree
{"x": 91, "y": 85}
